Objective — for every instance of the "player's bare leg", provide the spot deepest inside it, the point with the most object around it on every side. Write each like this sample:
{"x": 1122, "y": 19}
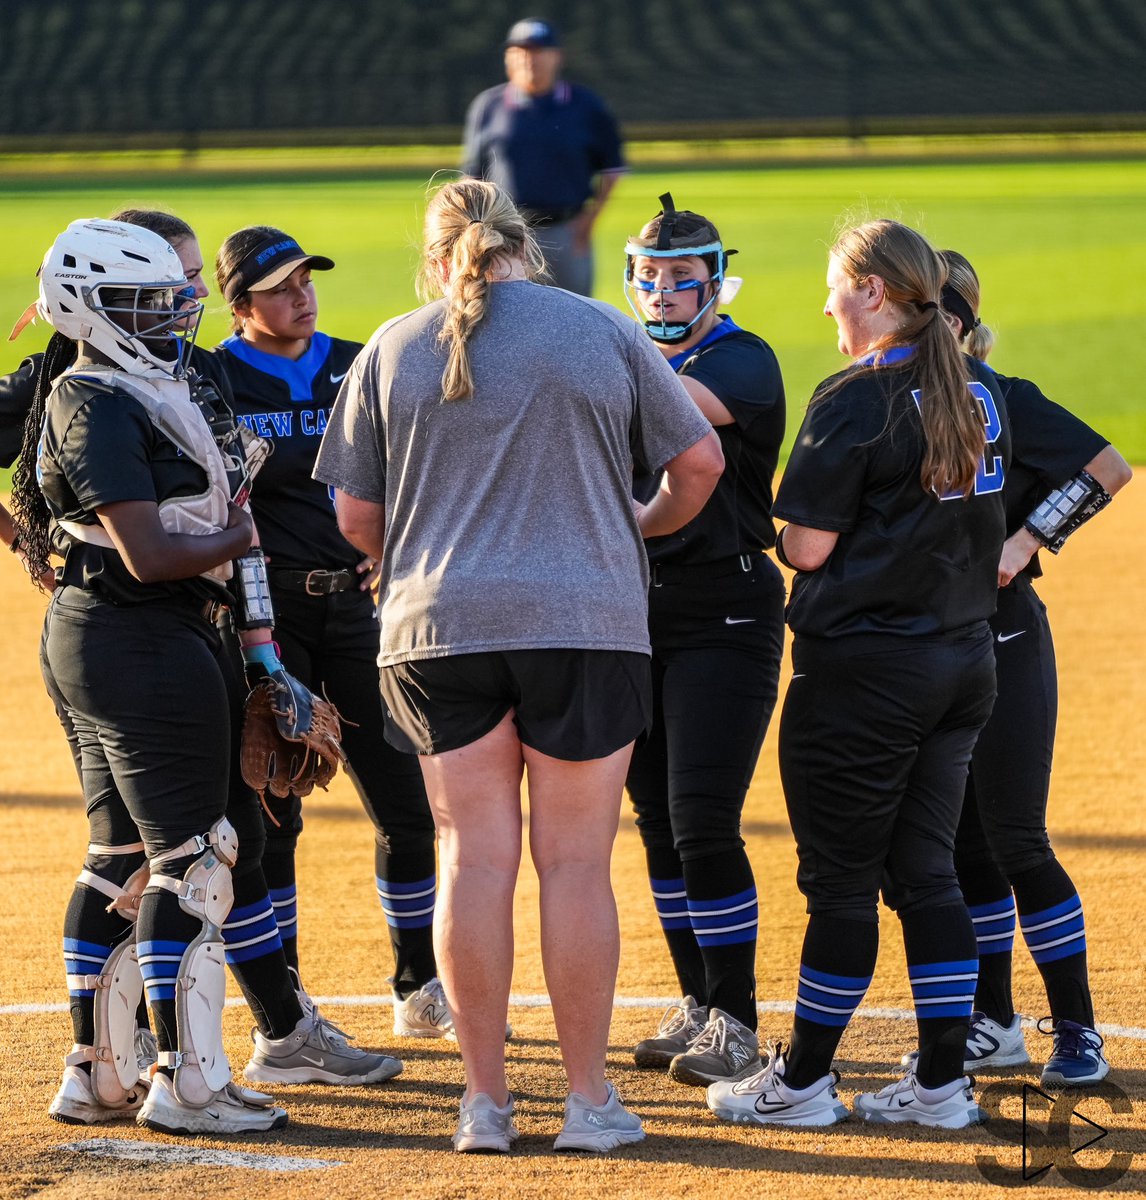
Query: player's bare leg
{"x": 475, "y": 794}
{"x": 574, "y": 811}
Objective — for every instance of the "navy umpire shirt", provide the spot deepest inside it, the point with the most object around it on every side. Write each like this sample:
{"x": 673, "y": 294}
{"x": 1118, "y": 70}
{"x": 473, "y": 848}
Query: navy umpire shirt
{"x": 545, "y": 151}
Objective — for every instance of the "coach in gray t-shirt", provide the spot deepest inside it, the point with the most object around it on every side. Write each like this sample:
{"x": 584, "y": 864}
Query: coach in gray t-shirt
{"x": 509, "y": 519}
{"x": 483, "y": 447}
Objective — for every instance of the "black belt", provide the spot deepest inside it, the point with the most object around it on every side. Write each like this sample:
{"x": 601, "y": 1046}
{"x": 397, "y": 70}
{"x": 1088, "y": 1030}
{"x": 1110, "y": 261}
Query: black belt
{"x": 549, "y": 216}
{"x": 662, "y": 573}
{"x": 313, "y": 583}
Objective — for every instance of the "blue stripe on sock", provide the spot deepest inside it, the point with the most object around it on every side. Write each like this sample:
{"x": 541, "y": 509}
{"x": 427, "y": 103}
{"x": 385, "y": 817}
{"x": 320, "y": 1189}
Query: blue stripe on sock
{"x": 994, "y": 926}
{"x": 159, "y": 964}
{"x": 671, "y": 904}
{"x": 827, "y": 999}
{"x": 83, "y": 958}
{"x": 731, "y": 920}
{"x": 251, "y": 932}
{"x": 407, "y": 905}
{"x": 1055, "y": 933}
{"x": 284, "y": 901}
{"x": 945, "y": 989}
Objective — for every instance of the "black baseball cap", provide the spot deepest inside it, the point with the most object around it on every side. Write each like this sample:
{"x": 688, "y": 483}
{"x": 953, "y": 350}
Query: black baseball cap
{"x": 533, "y": 33}
{"x": 269, "y": 263}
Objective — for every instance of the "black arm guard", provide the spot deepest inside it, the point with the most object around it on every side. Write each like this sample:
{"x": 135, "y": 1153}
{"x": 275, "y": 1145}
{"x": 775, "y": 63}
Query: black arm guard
{"x": 779, "y": 548}
{"x": 1065, "y": 509}
{"x": 252, "y": 608}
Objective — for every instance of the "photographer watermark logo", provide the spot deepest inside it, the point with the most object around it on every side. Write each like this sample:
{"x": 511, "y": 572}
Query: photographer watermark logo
{"x": 1053, "y": 1133}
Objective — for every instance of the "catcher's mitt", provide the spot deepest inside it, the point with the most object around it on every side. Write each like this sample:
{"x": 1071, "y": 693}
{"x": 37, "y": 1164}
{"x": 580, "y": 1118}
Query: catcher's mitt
{"x": 290, "y": 738}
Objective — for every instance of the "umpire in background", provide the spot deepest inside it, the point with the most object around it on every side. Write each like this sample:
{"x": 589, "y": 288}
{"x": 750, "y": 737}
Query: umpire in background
{"x": 552, "y": 145}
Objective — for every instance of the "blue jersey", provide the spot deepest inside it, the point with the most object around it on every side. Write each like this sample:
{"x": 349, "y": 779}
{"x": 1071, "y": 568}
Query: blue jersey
{"x": 545, "y": 151}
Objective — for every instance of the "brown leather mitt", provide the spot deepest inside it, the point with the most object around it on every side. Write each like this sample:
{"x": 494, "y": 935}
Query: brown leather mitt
{"x": 291, "y": 738}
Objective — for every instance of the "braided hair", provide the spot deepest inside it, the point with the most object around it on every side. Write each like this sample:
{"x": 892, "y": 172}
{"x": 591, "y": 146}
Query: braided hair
{"x": 29, "y": 508}
{"x": 473, "y": 225}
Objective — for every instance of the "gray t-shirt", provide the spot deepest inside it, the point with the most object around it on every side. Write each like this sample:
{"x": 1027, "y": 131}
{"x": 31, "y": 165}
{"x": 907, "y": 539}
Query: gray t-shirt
{"x": 509, "y": 516}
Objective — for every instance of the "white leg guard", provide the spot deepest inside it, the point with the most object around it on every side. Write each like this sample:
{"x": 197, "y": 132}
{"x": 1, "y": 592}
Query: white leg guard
{"x": 115, "y": 1071}
{"x": 118, "y": 988}
{"x": 201, "y": 1066}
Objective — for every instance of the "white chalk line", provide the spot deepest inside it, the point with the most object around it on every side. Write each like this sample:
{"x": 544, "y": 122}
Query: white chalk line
{"x": 192, "y": 1156}
{"x": 540, "y": 1000}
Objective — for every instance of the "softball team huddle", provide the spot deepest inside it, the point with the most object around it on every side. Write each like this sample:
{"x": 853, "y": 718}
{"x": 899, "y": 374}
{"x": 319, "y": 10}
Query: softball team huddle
{"x": 568, "y": 513}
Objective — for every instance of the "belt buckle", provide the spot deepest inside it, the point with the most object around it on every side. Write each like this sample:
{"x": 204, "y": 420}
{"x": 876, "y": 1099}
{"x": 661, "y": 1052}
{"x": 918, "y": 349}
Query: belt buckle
{"x": 320, "y": 591}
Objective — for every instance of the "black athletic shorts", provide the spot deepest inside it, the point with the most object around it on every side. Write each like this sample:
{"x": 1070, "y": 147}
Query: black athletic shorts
{"x": 570, "y": 704}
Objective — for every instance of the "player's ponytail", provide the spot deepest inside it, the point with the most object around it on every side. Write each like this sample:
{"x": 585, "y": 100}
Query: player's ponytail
{"x": 961, "y": 300}
{"x": 473, "y": 231}
{"x": 913, "y": 274}
{"x": 29, "y": 509}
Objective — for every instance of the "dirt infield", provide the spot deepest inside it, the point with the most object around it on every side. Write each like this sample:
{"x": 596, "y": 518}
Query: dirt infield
{"x": 393, "y": 1138}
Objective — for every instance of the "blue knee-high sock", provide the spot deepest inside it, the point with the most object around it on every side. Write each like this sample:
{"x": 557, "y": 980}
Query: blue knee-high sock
{"x": 163, "y": 933}
{"x": 836, "y": 967}
{"x": 943, "y": 967}
{"x": 1051, "y": 918}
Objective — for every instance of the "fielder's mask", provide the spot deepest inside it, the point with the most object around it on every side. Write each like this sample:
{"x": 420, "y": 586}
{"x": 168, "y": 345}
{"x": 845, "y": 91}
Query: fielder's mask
{"x": 676, "y": 234}
{"x": 122, "y": 289}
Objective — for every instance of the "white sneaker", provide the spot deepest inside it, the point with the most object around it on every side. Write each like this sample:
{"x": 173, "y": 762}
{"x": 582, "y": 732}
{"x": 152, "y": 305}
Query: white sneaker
{"x": 681, "y": 1024}
{"x": 990, "y": 1044}
{"x": 76, "y": 1104}
{"x": 951, "y": 1106}
{"x": 482, "y": 1126}
{"x": 765, "y": 1099}
{"x": 425, "y": 1014}
{"x": 234, "y": 1110}
{"x": 598, "y": 1127}
{"x": 316, "y": 1052}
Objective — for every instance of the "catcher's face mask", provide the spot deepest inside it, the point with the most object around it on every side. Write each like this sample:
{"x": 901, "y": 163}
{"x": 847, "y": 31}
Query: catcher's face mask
{"x": 666, "y": 269}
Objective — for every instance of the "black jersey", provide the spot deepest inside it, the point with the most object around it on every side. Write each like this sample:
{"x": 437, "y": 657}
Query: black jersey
{"x": 907, "y": 562}
{"x": 741, "y": 371}
{"x": 288, "y": 402}
{"x": 1049, "y": 446}
{"x": 100, "y": 447}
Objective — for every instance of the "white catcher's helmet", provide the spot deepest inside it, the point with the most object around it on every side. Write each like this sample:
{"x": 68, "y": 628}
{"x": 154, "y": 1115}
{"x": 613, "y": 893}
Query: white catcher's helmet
{"x": 120, "y": 288}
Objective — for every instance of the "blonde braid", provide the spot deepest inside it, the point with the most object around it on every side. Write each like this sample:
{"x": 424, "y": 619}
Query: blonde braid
{"x": 472, "y": 225}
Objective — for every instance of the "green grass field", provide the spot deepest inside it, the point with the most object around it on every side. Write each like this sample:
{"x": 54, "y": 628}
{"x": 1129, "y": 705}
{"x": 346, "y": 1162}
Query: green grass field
{"x": 1060, "y": 247}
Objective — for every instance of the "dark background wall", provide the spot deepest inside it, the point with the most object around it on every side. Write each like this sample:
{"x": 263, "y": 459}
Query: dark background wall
{"x": 179, "y": 70}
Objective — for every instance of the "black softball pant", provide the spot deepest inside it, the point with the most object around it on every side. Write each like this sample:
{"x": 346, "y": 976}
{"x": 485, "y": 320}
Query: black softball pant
{"x": 147, "y": 701}
{"x": 875, "y": 739}
{"x": 717, "y": 643}
{"x": 1005, "y": 811}
{"x": 330, "y": 643}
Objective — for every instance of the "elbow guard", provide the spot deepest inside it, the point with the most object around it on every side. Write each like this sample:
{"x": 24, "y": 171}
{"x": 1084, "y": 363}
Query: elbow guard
{"x": 1065, "y": 509}
{"x": 253, "y": 608}
{"x": 779, "y": 548}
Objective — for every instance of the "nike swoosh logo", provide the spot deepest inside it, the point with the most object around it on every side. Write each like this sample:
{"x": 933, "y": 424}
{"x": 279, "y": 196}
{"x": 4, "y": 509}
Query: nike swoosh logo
{"x": 740, "y": 620}
{"x": 1006, "y": 637}
{"x": 804, "y": 676}
{"x": 904, "y": 1102}
{"x": 318, "y": 1062}
{"x": 339, "y": 378}
{"x": 763, "y": 1105}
